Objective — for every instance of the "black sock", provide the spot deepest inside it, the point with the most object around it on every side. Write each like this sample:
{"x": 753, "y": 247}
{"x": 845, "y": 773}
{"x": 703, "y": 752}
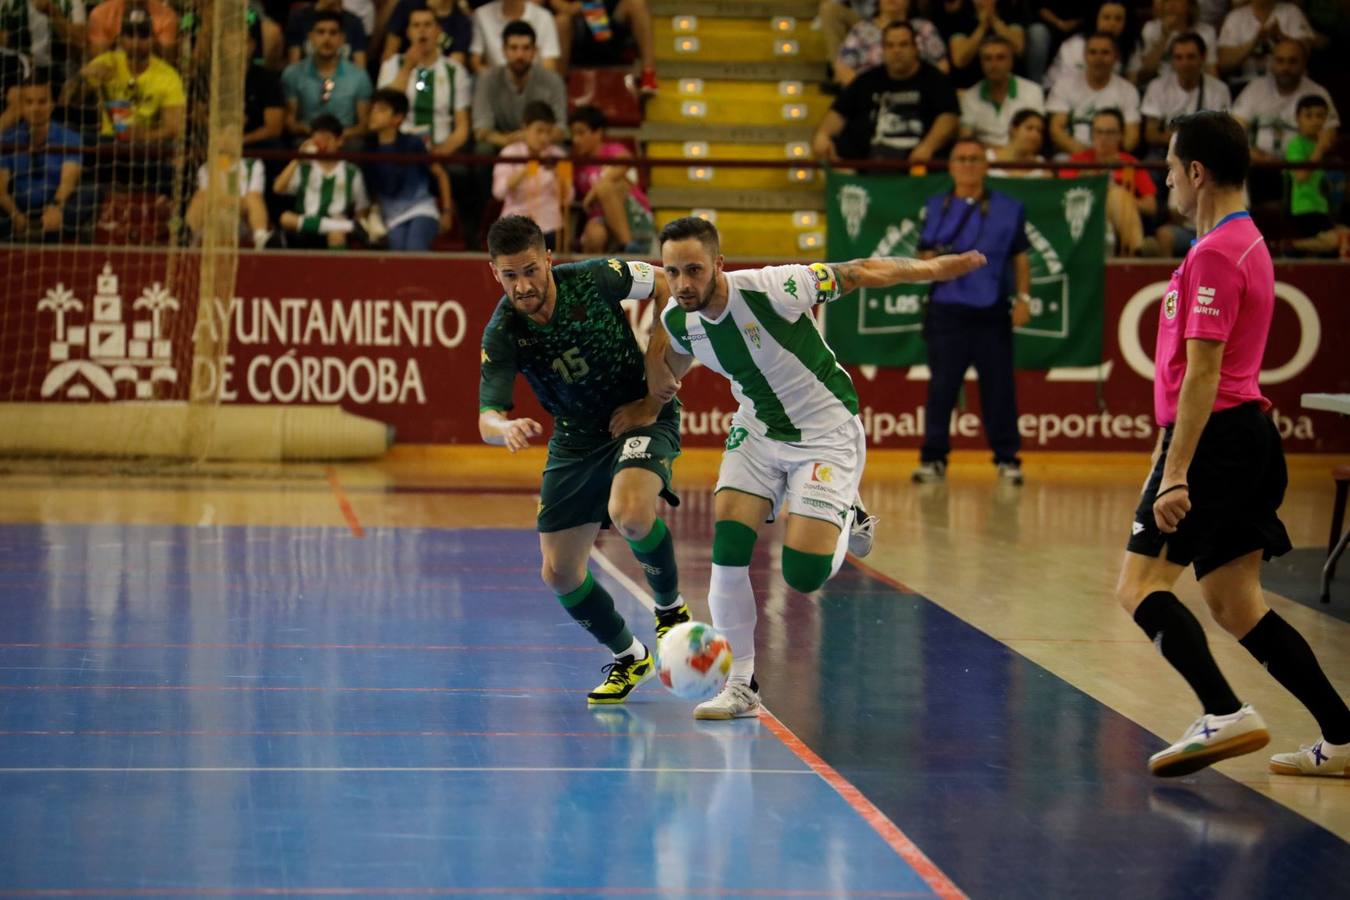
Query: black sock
{"x": 1279, "y": 647}
{"x": 1181, "y": 639}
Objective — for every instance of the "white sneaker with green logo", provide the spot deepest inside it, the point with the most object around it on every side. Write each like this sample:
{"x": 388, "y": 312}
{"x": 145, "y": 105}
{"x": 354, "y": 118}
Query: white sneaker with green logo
{"x": 1210, "y": 739}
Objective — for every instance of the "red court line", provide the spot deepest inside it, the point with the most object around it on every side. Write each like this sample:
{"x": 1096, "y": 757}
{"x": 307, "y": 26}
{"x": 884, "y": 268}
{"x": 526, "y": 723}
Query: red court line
{"x": 347, "y": 512}
{"x": 880, "y": 576}
{"x": 890, "y": 833}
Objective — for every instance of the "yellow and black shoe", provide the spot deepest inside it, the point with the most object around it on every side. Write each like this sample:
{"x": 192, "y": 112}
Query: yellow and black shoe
{"x": 621, "y": 676}
{"x": 667, "y": 619}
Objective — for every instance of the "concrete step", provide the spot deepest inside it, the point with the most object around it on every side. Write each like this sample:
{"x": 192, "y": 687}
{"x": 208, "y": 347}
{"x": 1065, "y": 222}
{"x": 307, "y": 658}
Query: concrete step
{"x": 670, "y": 106}
{"x": 735, "y": 40}
{"x": 689, "y": 130}
{"x": 753, "y": 199}
{"x": 703, "y": 170}
{"x": 767, "y": 235}
{"x": 691, "y": 66}
{"x": 802, "y": 10}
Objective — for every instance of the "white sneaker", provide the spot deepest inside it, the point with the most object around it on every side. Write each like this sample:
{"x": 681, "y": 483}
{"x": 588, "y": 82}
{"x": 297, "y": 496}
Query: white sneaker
{"x": 930, "y": 472}
{"x": 1319, "y": 759}
{"x": 863, "y": 532}
{"x": 1010, "y": 473}
{"x": 736, "y": 701}
{"x": 1210, "y": 739}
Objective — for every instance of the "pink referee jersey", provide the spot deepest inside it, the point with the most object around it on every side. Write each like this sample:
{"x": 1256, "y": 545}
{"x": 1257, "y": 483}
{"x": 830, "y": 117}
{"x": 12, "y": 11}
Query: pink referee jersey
{"x": 1224, "y": 291}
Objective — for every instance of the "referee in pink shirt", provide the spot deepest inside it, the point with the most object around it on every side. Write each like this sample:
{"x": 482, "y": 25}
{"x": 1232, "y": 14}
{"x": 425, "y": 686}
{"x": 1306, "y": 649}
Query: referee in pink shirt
{"x": 1218, "y": 472}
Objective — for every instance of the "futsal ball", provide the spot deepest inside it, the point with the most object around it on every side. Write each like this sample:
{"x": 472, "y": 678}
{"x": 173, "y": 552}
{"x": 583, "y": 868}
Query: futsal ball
{"x": 694, "y": 660}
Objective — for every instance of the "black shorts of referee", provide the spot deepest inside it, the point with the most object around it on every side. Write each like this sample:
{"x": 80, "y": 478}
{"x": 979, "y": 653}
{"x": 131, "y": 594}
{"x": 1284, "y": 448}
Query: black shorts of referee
{"x": 1236, "y": 480}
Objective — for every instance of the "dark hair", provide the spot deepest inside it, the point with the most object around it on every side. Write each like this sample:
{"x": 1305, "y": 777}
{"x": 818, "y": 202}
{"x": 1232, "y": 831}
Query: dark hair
{"x": 687, "y": 227}
{"x": 397, "y": 101}
{"x": 326, "y": 123}
{"x": 899, "y": 23}
{"x": 513, "y": 234}
{"x": 41, "y": 76}
{"x": 328, "y": 15}
{"x": 1022, "y": 115}
{"x": 423, "y": 9}
{"x": 538, "y": 111}
{"x": 1311, "y": 101}
{"x": 1109, "y": 38}
{"x": 997, "y": 40}
{"x": 970, "y": 139}
{"x": 1217, "y": 141}
{"x": 519, "y": 28}
{"x": 1189, "y": 37}
{"x": 590, "y": 116}
{"x": 1114, "y": 113}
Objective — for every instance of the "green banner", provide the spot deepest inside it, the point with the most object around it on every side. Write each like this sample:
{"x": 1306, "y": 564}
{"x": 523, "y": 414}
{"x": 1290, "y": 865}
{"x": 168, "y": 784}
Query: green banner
{"x": 879, "y": 215}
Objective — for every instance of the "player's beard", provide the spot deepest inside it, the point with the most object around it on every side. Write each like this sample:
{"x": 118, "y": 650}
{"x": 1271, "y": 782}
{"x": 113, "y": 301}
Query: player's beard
{"x": 532, "y": 303}
{"x": 703, "y": 301}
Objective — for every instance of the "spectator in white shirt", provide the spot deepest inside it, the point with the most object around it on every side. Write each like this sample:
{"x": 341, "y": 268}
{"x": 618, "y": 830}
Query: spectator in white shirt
{"x": 1072, "y": 55}
{"x": 488, "y": 22}
{"x": 1185, "y": 88}
{"x": 988, "y": 106}
{"x": 1268, "y": 106}
{"x": 1075, "y": 100}
{"x": 1154, "y": 54}
{"x": 1250, "y": 33}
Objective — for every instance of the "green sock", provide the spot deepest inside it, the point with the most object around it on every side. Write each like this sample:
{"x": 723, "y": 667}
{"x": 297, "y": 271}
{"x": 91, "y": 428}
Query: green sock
{"x": 656, "y": 553}
{"x": 593, "y": 609}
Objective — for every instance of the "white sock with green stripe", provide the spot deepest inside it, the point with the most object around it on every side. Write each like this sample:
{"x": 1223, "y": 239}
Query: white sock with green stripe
{"x": 324, "y": 225}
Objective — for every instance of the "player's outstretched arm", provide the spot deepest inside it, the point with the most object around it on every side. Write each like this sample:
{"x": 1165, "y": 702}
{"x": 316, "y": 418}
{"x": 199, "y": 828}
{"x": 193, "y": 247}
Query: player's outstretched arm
{"x": 514, "y": 434}
{"x": 884, "y": 271}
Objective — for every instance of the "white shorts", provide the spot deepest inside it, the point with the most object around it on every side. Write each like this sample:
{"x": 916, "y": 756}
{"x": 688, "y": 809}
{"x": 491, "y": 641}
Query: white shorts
{"x": 818, "y": 479}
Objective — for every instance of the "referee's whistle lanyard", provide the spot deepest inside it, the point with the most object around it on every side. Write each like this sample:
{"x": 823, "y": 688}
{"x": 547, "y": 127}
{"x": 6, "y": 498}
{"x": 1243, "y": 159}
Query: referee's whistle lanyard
{"x": 948, "y": 245}
{"x": 945, "y": 241}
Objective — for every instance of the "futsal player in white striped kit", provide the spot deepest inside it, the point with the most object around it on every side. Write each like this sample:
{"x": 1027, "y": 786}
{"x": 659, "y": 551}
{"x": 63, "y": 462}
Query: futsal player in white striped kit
{"x": 796, "y": 439}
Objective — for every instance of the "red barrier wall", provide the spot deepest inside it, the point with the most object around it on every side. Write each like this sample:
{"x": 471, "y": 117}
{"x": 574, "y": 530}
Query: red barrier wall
{"x": 395, "y": 338}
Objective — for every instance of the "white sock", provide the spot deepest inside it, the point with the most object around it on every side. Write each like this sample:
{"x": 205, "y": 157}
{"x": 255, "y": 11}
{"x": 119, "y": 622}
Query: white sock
{"x": 637, "y": 650}
{"x": 328, "y": 225}
{"x": 732, "y": 602}
{"x": 672, "y": 604}
{"x": 260, "y": 238}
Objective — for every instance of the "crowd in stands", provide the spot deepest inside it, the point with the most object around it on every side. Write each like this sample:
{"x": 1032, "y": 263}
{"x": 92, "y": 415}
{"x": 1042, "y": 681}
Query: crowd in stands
{"x": 1040, "y": 84}
{"x": 122, "y": 87}
{"x": 1099, "y": 83}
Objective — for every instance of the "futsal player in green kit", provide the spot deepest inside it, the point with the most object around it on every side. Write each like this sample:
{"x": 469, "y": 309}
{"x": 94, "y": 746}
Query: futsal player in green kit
{"x": 613, "y": 441}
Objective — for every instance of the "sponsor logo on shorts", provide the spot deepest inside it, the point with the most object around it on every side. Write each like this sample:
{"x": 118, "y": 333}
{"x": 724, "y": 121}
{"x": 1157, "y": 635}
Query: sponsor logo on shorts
{"x": 736, "y": 436}
{"x": 485, "y": 356}
{"x": 1170, "y": 305}
{"x": 636, "y": 448}
{"x": 822, "y": 472}
{"x": 817, "y": 503}
{"x": 1137, "y": 528}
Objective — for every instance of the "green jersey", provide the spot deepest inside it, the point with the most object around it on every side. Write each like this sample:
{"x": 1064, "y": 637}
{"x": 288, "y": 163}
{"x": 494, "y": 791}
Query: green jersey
{"x": 585, "y": 362}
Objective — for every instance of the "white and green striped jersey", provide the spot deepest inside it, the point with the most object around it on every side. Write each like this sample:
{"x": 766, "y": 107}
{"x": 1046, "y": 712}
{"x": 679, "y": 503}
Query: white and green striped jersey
{"x": 248, "y": 174}
{"x": 335, "y": 193}
{"x": 786, "y": 379}
{"x": 435, "y": 94}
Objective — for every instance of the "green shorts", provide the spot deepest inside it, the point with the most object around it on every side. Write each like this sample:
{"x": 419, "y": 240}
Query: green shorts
{"x": 578, "y": 476}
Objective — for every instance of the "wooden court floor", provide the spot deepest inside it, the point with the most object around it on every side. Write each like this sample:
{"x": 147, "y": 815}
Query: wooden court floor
{"x": 1030, "y": 568}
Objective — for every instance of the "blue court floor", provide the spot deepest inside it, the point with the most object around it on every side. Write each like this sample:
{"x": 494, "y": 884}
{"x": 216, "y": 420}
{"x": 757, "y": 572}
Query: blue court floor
{"x": 243, "y": 711}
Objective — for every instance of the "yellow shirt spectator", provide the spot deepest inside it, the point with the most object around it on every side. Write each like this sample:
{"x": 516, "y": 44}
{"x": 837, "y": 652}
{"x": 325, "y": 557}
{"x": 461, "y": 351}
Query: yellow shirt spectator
{"x": 138, "y": 100}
